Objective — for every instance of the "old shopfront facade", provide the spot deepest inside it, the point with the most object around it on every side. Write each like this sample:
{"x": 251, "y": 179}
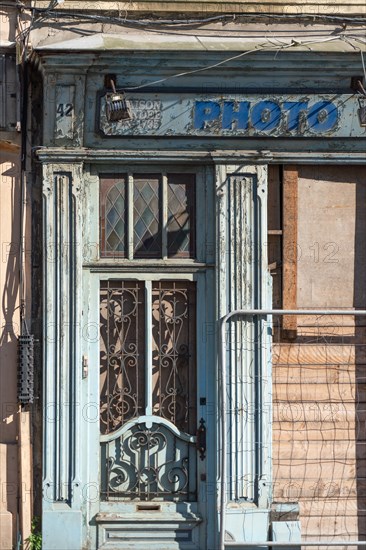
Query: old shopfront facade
{"x": 154, "y": 228}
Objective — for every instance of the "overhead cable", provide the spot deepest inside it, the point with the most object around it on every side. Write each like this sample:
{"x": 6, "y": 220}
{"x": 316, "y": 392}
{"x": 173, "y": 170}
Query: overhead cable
{"x": 230, "y": 17}
{"x": 261, "y": 47}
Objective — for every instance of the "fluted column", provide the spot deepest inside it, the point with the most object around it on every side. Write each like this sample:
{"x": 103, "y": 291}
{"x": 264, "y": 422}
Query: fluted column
{"x": 62, "y": 270}
{"x": 244, "y": 283}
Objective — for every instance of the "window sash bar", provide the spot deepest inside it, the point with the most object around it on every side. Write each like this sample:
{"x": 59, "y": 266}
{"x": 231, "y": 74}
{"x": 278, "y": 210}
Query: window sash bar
{"x": 130, "y": 235}
{"x": 164, "y": 234}
{"x": 148, "y": 348}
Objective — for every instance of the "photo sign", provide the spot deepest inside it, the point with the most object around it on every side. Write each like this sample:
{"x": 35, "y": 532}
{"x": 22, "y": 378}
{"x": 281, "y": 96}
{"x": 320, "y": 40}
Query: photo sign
{"x": 184, "y": 115}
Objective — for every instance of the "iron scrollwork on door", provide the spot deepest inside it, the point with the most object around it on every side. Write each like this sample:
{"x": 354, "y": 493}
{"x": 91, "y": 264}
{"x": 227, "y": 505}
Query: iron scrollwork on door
{"x": 123, "y": 313}
{"x": 147, "y": 463}
{"x": 148, "y": 390}
{"x": 122, "y": 353}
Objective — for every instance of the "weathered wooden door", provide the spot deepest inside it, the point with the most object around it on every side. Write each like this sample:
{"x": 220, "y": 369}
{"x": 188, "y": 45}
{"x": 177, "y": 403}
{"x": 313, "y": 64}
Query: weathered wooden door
{"x": 149, "y": 289}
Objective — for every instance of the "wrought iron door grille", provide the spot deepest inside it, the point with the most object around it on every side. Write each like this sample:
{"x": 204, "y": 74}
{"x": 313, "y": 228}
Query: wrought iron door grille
{"x": 149, "y": 464}
{"x": 148, "y": 369}
{"x": 174, "y": 365}
{"x": 123, "y": 309}
{"x": 122, "y": 382}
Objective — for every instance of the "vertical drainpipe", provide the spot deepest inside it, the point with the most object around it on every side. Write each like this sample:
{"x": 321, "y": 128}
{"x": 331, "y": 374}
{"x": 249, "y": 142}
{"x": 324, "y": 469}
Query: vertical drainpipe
{"x": 24, "y": 416}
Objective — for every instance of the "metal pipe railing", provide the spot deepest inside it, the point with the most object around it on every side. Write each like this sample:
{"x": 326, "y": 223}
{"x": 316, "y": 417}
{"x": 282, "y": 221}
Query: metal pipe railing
{"x": 222, "y": 359}
{"x": 232, "y": 544}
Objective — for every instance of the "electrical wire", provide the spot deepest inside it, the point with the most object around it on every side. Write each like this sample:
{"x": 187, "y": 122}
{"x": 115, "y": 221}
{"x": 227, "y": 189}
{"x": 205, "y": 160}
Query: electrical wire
{"x": 363, "y": 66}
{"x": 262, "y": 47}
{"x": 363, "y": 91}
{"x": 42, "y": 14}
{"x": 146, "y": 23}
{"x": 362, "y": 88}
{"x": 153, "y": 25}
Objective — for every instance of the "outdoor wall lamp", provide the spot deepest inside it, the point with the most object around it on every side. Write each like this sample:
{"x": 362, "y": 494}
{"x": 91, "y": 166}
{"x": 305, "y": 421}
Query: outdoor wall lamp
{"x": 362, "y": 111}
{"x": 117, "y": 106}
{"x": 358, "y": 87}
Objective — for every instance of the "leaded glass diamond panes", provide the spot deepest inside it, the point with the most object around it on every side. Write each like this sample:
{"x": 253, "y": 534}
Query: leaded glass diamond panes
{"x": 180, "y": 223}
{"x": 113, "y": 207}
{"x": 122, "y": 344}
{"x": 174, "y": 353}
{"x": 147, "y": 215}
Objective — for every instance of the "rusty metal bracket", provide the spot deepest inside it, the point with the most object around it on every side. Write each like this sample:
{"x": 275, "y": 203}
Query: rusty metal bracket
{"x": 356, "y": 83}
{"x": 201, "y": 439}
{"x": 362, "y": 114}
{"x": 26, "y": 369}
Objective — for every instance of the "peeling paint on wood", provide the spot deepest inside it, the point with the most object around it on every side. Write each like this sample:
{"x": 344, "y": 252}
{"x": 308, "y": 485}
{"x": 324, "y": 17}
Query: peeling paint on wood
{"x": 182, "y": 114}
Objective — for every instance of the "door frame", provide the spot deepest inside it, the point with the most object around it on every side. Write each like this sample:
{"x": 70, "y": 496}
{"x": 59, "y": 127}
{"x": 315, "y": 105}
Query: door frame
{"x": 104, "y": 518}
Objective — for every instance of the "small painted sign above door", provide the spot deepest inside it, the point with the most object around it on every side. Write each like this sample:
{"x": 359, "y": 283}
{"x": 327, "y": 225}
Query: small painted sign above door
{"x": 236, "y": 115}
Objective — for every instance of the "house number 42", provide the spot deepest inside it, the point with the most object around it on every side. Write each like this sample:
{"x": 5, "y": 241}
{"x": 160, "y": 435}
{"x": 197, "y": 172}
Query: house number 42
{"x": 64, "y": 109}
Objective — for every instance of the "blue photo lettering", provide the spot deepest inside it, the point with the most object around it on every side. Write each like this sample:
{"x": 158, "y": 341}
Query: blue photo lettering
{"x": 294, "y": 108}
{"x": 205, "y": 111}
{"x": 235, "y": 116}
{"x": 265, "y": 116}
{"x": 322, "y": 116}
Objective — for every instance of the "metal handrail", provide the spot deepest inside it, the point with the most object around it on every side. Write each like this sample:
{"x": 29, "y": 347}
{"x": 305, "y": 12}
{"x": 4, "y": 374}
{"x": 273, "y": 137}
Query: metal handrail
{"x": 233, "y": 544}
{"x": 222, "y": 359}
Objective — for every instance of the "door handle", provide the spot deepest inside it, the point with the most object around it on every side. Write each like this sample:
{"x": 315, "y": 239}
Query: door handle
{"x": 201, "y": 439}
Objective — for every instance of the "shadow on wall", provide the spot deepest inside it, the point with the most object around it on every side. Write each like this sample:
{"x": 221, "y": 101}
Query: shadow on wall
{"x": 343, "y": 284}
{"x": 360, "y": 349}
{"x": 320, "y": 378}
{"x": 9, "y": 329}
{"x": 339, "y": 278}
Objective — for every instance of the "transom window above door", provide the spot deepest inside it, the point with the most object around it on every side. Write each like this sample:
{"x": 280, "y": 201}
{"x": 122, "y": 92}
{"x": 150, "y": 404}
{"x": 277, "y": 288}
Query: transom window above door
{"x": 147, "y": 215}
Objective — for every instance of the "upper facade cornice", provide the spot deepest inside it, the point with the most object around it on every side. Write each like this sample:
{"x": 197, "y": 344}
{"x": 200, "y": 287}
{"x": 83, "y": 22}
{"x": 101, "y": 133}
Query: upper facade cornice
{"x": 203, "y": 8}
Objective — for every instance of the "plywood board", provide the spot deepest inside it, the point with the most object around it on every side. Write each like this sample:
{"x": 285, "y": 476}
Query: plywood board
{"x": 313, "y": 431}
{"x": 318, "y": 490}
{"x": 331, "y": 228}
{"x": 320, "y": 415}
{"x": 320, "y": 392}
{"x": 289, "y": 246}
{"x": 311, "y": 451}
{"x": 317, "y": 374}
{"x": 343, "y": 507}
{"x": 320, "y": 354}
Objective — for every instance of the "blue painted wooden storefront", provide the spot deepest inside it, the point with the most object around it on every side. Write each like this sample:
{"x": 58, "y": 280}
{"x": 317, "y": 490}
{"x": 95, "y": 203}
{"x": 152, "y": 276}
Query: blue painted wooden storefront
{"x": 143, "y": 480}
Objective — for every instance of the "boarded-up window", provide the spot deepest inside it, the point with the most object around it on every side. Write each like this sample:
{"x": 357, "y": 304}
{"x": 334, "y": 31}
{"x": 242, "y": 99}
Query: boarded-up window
{"x": 318, "y": 379}
{"x": 331, "y": 237}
